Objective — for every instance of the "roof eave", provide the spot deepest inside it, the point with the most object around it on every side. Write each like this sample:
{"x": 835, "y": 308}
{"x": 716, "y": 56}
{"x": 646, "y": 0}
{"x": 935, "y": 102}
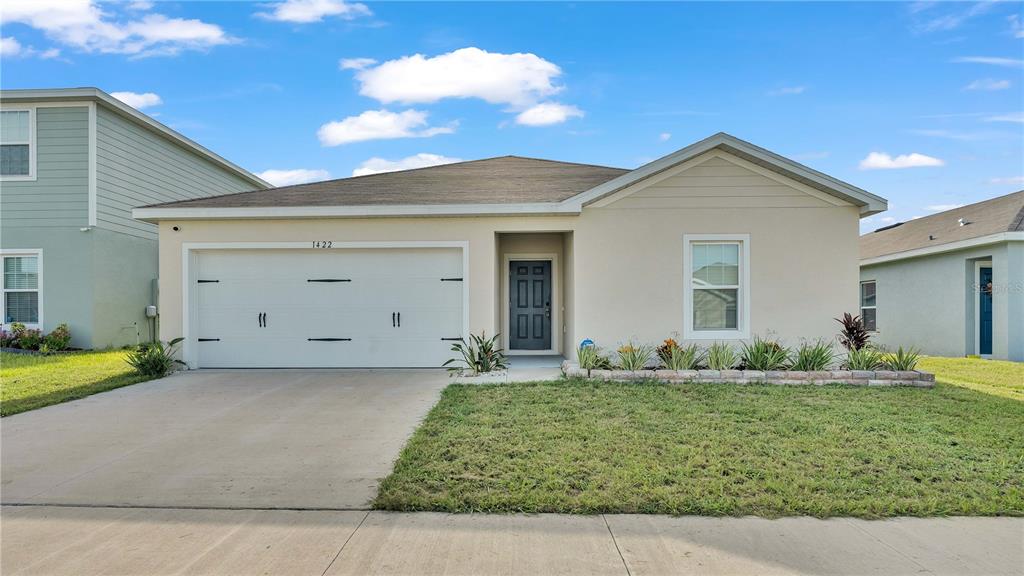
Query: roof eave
{"x": 115, "y": 105}
{"x": 990, "y": 239}
{"x": 156, "y": 214}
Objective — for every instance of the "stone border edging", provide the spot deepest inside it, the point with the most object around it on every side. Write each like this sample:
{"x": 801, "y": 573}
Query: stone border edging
{"x": 913, "y": 378}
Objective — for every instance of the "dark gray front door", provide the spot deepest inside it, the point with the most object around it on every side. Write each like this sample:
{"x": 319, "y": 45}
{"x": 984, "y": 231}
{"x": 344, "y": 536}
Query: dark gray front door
{"x": 530, "y": 305}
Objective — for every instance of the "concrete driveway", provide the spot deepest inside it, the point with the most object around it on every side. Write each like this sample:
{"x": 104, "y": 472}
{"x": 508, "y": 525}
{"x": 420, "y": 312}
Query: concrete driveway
{"x": 297, "y": 439}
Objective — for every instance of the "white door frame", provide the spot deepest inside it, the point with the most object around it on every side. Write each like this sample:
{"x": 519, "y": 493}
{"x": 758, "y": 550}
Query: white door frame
{"x": 977, "y": 306}
{"x": 189, "y": 259}
{"x": 556, "y": 304}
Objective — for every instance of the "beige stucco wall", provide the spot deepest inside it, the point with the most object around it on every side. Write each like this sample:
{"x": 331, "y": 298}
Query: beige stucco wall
{"x": 622, "y": 270}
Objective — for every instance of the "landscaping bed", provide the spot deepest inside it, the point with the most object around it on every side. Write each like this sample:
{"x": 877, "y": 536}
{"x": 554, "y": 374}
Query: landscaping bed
{"x": 34, "y": 381}
{"x": 791, "y": 377}
{"x": 588, "y": 446}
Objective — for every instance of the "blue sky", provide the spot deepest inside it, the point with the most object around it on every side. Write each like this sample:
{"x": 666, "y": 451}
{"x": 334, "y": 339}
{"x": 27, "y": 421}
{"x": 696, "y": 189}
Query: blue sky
{"x": 920, "y": 103}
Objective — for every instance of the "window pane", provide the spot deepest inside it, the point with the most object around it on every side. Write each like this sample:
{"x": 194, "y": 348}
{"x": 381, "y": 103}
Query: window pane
{"x": 14, "y": 160}
{"x": 14, "y": 126}
{"x": 867, "y": 294}
{"x": 730, "y": 264}
{"x": 868, "y": 317}
{"x": 22, "y": 307}
{"x": 701, "y": 273}
{"x": 21, "y": 273}
{"x": 715, "y": 309}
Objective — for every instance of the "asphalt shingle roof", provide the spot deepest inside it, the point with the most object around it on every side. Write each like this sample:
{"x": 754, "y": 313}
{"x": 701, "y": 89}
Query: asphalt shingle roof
{"x": 1002, "y": 214}
{"x": 503, "y": 180}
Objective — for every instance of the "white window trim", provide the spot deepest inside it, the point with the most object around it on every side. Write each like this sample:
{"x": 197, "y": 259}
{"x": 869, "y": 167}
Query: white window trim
{"x": 742, "y": 331}
{"x": 861, "y": 307}
{"x": 38, "y": 253}
{"x": 31, "y": 176}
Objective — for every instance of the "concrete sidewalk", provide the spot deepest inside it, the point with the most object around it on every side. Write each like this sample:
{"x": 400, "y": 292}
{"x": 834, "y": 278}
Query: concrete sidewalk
{"x": 77, "y": 540}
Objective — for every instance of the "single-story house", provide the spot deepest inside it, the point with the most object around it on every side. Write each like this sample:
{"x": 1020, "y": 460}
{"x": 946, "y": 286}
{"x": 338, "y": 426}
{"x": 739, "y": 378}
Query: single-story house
{"x": 74, "y": 164}
{"x": 721, "y": 240}
{"x": 949, "y": 284}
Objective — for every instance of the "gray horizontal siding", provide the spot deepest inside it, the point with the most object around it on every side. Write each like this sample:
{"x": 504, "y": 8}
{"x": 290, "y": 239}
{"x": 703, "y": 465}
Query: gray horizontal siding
{"x": 59, "y": 196}
{"x": 136, "y": 167}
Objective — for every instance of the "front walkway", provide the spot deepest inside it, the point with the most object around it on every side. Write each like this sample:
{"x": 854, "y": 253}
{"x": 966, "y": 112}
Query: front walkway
{"x": 72, "y": 540}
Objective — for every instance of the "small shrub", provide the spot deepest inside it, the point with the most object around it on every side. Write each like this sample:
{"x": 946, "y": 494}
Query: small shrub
{"x": 591, "y": 358}
{"x": 765, "y": 354}
{"x": 814, "y": 356}
{"x": 866, "y": 358}
{"x": 903, "y": 360}
{"x": 635, "y": 356}
{"x": 6, "y": 339}
{"x": 58, "y": 339}
{"x": 30, "y": 339}
{"x": 853, "y": 335}
{"x": 154, "y": 359}
{"x": 17, "y": 329}
{"x": 721, "y": 356}
{"x": 479, "y": 356}
{"x": 683, "y": 357}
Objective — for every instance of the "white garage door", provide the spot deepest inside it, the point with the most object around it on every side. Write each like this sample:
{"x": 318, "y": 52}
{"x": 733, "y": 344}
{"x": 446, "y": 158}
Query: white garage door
{"x": 327, "y": 308}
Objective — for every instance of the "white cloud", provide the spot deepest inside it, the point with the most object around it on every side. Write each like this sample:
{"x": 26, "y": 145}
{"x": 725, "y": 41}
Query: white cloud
{"x": 1017, "y": 117}
{"x": 140, "y": 5}
{"x": 664, "y": 136}
{"x": 951, "y": 20}
{"x": 883, "y": 161}
{"x": 991, "y": 60}
{"x": 292, "y": 177}
{"x": 515, "y": 79}
{"x": 306, "y": 11}
{"x": 422, "y": 160}
{"x": 1014, "y": 180}
{"x": 355, "y": 63}
{"x": 547, "y": 113}
{"x": 9, "y": 47}
{"x": 788, "y": 91}
{"x": 988, "y": 84}
{"x": 137, "y": 100}
{"x": 942, "y": 207}
{"x": 379, "y": 125}
{"x": 1015, "y": 26}
{"x": 82, "y": 24}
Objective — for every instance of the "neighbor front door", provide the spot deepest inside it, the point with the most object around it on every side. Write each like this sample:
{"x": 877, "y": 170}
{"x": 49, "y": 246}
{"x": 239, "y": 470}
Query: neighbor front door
{"x": 530, "y": 305}
{"x": 985, "y": 311}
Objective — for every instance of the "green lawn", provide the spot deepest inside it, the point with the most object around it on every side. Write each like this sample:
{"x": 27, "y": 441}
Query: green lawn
{"x": 989, "y": 376}
{"x": 30, "y": 382}
{"x": 587, "y": 447}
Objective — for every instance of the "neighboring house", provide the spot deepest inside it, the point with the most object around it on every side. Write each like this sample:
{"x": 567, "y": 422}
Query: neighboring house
{"x": 949, "y": 284}
{"x": 74, "y": 164}
{"x": 721, "y": 240}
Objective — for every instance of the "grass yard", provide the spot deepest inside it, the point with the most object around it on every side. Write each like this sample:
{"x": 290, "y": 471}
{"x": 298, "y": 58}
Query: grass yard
{"x": 997, "y": 377}
{"x": 588, "y": 447}
{"x": 30, "y": 382}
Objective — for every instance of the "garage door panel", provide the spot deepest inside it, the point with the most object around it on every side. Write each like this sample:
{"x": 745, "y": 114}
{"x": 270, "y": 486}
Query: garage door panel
{"x": 328, "y": 308}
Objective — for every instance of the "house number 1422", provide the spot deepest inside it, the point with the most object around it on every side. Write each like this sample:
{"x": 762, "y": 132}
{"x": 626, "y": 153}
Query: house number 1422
{"x": 321, "y": 244}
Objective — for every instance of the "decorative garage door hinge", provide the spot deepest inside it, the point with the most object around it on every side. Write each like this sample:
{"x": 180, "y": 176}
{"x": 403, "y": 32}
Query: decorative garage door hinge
{"x": 209, "y": 339}
{"x": 328, "y": 339}
{"x": 329, "y": 280}
{"x": 451, "y": 279}
{"x": 451, "y": 339}
{"x": 207, "y": 281}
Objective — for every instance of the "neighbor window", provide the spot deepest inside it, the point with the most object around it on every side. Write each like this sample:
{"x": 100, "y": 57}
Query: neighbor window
{"x": 716, "y": 298}
{"x": 867, "y": 305}
{"x": 16, "y": 143}
{"x": 21, "y": 289}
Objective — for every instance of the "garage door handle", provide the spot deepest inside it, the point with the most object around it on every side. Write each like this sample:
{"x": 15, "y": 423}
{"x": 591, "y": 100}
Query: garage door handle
{"x": 329, "y": 280}
{"x": 451, "y": 339}
{"x": 393, "y": 320}
{"x": 399, "y": 319}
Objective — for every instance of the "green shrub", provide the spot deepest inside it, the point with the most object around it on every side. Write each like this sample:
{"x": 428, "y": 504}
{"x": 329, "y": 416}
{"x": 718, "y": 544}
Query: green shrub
{"x": 480, "y": 355}
{"x": 591, "y": 358}
{"x": 58, "y": 339}
{"x": 153, "y": 359}
{"x": 765, "y": 354}
{"x": 635, "y": 356}
{"x": 814, "y": 356}
{"x": 866, "y": 358}
{"x": 30, "y": 339}
{"x": 681, "y": 357}
{"x": 901, "y": 359}
{"x": 721, "y": 356}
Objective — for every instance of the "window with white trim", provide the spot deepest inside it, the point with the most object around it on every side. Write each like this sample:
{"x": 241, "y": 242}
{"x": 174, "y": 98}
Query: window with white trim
{"x": 868, "y": 302}
{"x": 16, "y": 152}
{"x": 716, "y": 300}
{"x": 21, "y": 289}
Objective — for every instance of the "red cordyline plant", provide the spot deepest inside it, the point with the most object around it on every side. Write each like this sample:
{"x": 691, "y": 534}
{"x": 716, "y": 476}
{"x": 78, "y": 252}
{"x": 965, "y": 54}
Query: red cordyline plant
{"x": 853, "y": 335}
